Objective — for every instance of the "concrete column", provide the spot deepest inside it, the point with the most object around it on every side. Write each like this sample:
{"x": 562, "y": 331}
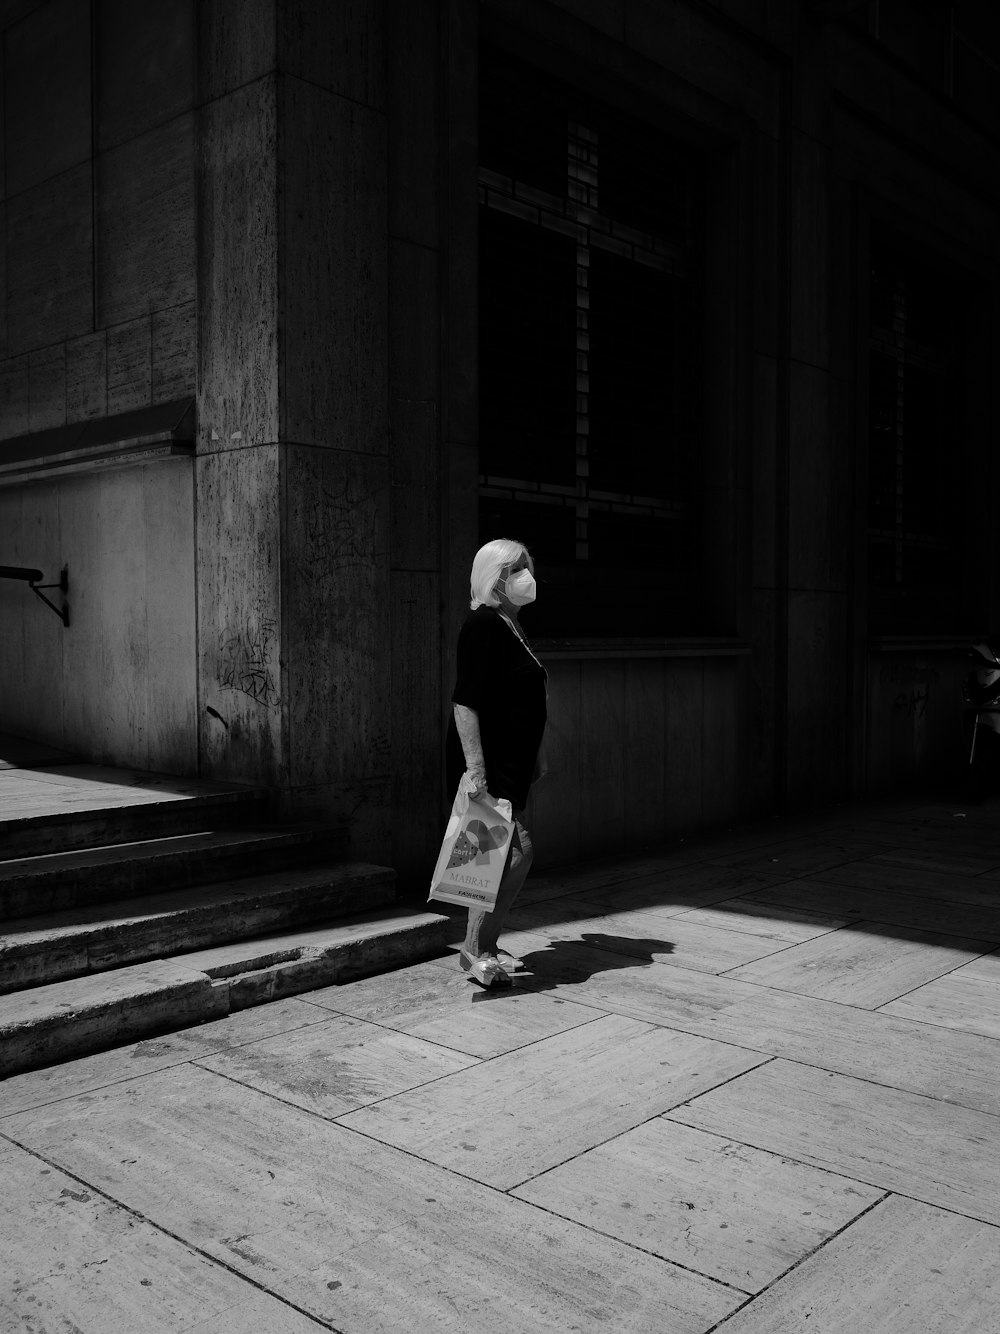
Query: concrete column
{"x": 293, "y": 482}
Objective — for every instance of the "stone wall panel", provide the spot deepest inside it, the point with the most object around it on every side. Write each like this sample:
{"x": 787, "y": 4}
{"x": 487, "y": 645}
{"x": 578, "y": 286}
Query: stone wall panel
{"x": 50, "y": 265}
{"x": 414, "y": 107}
{"x": 419, "y": 802}
{"x": 644, "y": 734}
{"x": 174, "y": 335}
{"x": 46, "y": 76}
{"x": 335, "y": 594}
{"x": 129, "y": 366}
{"x": 172, "y": 674}
{"x": 145, "y": 66}
{"x": 333, "y": 256}
{"x": 415, "y": 533}
{"x": 238, "y": 270}
{"x": 35, "y": 540}
{"x": 47, "y": 388}
{"x": 4, "y": 340}
{"x": 13, "y": 397}
{"x": 146, "y": 223}
{"x": 242, "y": 683}
{"x": 87, "y": 377}
{"x": 340, "y": 47}
{"x": 237, "y": 44}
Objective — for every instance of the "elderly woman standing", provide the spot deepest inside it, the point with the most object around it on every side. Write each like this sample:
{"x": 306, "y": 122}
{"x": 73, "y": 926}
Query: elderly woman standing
{"x": 496, "y": 730}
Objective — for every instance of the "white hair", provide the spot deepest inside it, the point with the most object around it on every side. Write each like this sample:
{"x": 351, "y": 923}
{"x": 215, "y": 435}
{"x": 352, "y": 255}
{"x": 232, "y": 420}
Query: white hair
{"x": 487, "y": 565}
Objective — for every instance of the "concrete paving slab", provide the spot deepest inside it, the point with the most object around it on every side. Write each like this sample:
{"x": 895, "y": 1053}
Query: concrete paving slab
{"x": 608, "y": 873}
{"x": 797, "y": 857}
{"x": 955, "y": 862}
{"x": 967, "y": 999}
{"x": 902, "y": 1142}
{"x": 76, "y": 1261}
{"x": 790, "y": 926}
{"x": 915, "y": 883}
{"x": 737, "y": 1214}
{"x": 677, "y": 889}
{"x": 860, "y": 965}
{"x": 904, "y": 1268}
{"x": 511, "y": 1118}
{"x": 886, "y": 907}
{"x": 443, "y": 1007}
{"x": 351, "y": 1231}
{"x": 36, "y": 1088}
{"x": 336, "y": 1065}
{"x": 665, "y": 937}
{"x": 867, "y": 1044}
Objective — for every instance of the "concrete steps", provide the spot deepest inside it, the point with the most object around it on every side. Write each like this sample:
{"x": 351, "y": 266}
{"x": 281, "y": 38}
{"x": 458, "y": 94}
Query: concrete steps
{"x": 35, "y": 951}
{"x": 46, "y": 1024}
{"x": 133, "y": 904}
{"x": 79, "y": 819}
{"x": 59, "y": 881}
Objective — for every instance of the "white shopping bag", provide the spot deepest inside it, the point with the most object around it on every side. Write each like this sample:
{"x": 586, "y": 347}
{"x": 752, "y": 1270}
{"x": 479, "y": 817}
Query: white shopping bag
{"x": 474, "y": 852}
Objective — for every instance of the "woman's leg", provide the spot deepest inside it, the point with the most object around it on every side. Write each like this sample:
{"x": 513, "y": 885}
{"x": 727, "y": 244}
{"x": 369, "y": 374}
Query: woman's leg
{"x": 484, "y": 927}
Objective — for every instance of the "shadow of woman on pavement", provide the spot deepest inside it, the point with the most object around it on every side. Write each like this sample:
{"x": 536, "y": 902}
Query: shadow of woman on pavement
{"x": 564, "y": 962}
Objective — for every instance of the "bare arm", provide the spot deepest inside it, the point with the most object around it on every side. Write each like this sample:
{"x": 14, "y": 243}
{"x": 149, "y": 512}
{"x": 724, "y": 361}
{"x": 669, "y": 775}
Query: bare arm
{"x": 467, "y": 723}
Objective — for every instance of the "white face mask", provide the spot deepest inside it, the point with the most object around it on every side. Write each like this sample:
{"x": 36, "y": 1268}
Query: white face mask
{"x": 520, "y": 588}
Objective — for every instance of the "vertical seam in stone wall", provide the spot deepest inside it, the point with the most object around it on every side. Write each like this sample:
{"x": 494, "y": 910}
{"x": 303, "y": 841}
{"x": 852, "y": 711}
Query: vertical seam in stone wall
{"x": 782, "y": 452}
{"x": 197, "y": 609}
{"x": 93, "y": 181}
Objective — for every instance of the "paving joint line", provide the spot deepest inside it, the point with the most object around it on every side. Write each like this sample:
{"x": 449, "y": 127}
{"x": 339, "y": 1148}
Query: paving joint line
{"x": 481, "y": 1060}
{"x": 506, "y": 1193}
{"x": 678, "y": 1027}
{"x": 145, "y": 1074}
{"x": 643, "y": 1250}
{"x": 879, "y": 921}
{"x": 779, "y": 1278}
{"x": 947, "y": 973}
{"x": 862, "y": 1181}
{"x": 165, "y": 1231}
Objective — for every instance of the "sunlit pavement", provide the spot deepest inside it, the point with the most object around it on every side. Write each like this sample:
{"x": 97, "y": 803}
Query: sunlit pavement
{"x": 748, "y": 1082}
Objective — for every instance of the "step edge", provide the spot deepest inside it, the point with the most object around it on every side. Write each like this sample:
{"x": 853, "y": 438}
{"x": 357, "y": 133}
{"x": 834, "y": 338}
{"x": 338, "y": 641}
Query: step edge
{"x": 201, "y": 997}
{"x": 151, "y": 849}
{"x": 234, "y": 891}
{"x": 54, "y": 819}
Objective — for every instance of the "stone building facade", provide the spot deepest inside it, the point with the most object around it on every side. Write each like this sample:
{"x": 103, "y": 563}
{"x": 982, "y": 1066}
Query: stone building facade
{"x": 304, "y": 300}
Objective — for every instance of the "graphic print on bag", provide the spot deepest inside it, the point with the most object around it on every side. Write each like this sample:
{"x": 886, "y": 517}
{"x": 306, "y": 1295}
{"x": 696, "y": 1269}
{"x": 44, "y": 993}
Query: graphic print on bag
{"x": 476, "y": 841}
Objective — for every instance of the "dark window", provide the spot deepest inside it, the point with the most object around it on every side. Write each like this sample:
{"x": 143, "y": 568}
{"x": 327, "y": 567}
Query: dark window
{"x": 918, "y": 32}
{"x": 590, "y": 297}
{"x": 916, "y": 538}
{"x": 527, "y": 378}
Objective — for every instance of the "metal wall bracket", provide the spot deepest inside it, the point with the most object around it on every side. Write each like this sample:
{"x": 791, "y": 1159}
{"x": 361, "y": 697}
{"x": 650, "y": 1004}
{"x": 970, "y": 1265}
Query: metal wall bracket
{"x": 63, "y": 584}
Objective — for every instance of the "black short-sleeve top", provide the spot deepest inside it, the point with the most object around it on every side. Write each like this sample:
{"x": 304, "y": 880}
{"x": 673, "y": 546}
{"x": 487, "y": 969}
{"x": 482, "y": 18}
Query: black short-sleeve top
{"x": 500, "y": 678}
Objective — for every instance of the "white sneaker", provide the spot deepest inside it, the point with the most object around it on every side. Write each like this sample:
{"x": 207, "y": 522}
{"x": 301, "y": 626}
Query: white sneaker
{"x": 486, "y": 972}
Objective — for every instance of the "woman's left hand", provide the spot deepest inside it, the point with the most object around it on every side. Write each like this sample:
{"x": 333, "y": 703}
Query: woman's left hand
{"x": 473, "y": 783}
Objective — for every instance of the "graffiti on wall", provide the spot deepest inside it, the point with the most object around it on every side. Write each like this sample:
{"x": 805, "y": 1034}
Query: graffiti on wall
{"x": 913, "y": 688}
{"x": 246, "y": 662}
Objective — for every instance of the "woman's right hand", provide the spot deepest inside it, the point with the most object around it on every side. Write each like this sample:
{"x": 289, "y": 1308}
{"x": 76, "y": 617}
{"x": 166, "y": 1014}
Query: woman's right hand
{"x": 473, "y": 782}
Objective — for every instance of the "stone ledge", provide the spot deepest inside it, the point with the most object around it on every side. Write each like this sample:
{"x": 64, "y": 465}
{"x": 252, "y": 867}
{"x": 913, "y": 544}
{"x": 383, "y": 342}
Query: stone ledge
{"x": 50, "y": 1024}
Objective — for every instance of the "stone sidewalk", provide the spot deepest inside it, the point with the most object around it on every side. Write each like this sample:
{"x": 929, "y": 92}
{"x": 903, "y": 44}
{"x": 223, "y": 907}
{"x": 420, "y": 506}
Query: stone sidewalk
{"x": 748, "y": 1084}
